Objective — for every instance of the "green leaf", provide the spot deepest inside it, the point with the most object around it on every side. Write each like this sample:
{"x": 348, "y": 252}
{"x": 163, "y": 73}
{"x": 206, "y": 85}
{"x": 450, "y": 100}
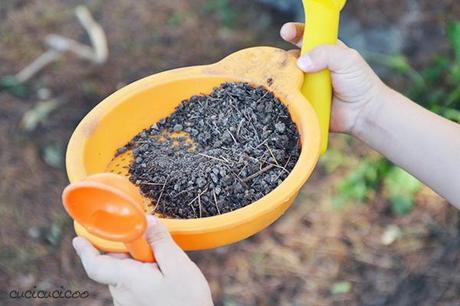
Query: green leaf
{"x": 13, "y": 86}
{"x": 454, "y": 74}
{"x": 453, "y": 32}
{"x": 399, "y": 181}
{"x": 360, "y": 191}
{"x": 436, "y": 70}
{"x": 453, "y": 96}
{"x": 436, "y": 96}
{"x": 53, "y": 234}
{"x": 371, "y": 174}
{"x": 38, "y": 114}
{"x": 451, "y": 114}
{"x": 361, "y": 183}
{"x": 402, "y": 204}
{"x": 397, "y": 62}
{"x": 53, "y": 155}
{"x": 401, "y": 188}
{"x": 342, "y": 287}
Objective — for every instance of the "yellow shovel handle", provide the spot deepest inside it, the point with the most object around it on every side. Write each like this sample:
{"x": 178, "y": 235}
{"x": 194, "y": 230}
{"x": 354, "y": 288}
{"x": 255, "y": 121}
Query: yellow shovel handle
{"x": 321, "y": 27}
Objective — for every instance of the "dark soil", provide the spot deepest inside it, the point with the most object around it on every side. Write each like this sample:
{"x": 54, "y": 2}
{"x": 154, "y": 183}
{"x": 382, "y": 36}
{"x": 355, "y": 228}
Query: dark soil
{"x": 244, "y": 145}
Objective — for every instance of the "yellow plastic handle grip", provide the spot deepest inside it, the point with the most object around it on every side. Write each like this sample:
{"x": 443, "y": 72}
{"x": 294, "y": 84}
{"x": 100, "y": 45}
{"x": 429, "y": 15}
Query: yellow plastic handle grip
{"x": 321, "y": 27}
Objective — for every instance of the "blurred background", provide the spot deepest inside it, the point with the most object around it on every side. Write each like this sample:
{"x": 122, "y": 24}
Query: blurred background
{"x": 362, "y": 231}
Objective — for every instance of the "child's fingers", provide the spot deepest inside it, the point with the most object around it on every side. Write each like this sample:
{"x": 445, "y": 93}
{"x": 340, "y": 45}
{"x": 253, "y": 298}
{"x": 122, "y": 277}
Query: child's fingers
{"x": 100, "y": 268}
{"x": 168, "y": 254}
{"x": 119, "y": 255}
{"x": 341, "y": 43}
{"x": 336, "y": 58}
{"x": 295, "y": 52}
{"x": 293, "y": 32}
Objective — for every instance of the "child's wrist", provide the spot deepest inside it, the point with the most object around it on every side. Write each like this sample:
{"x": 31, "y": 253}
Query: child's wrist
{"x": 368, "y": 115}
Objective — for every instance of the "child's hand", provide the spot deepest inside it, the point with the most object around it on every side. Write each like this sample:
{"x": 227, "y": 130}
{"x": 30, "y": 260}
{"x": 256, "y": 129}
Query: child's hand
{"x": 174, "y": 280}
{"x": 422, "y": 143}
{"x": 356, "y": 86}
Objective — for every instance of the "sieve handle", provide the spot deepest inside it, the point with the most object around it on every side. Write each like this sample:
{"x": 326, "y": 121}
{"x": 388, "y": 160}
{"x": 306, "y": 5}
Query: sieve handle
{"x": 321, "y": 27}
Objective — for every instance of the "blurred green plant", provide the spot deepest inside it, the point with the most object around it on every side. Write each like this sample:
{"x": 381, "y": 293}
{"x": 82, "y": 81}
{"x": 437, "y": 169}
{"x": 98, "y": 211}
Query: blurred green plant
{"x": 437, "y": 88}
{"x": 175, "y": 19}
{"x": 400, "y": 188}
{"x": 378, "y": 174}
{"x": 38, "y": 114}
{"x": 53, "y": 155}
{"x": 360, "y": 184}
{"x": 223, "y": 10}
{"x": 342, "y": 287}
{"x": 12, "y": 85}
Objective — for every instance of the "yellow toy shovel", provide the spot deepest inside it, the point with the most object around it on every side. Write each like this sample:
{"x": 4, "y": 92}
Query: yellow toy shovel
{"x": 321, "y": 27}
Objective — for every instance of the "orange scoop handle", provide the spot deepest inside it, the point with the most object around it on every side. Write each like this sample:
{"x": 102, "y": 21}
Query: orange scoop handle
{"x": 110, "y": 207}
{"x": 140, "y": 250}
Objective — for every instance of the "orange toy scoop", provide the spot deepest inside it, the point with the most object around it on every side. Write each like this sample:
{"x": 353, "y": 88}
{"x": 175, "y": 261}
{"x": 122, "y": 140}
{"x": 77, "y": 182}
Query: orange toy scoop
{"x": 109, "y": 206}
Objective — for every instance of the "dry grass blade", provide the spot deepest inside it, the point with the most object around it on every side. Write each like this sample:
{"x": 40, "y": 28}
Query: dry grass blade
{"x": 161, "y": 194}
{"x": 253, "y": 176}
{"x": 215, "y": 201}
{"x": 212, "y": 157}
{"x": 271, "y": 153}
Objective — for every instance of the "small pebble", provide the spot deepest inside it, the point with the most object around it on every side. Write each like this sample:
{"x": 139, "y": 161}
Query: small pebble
{"x": 201, "y": 182}
{"x": 122, "y": 150}
{"x": 280, "y": 127}
{"x": 178, "y": 128}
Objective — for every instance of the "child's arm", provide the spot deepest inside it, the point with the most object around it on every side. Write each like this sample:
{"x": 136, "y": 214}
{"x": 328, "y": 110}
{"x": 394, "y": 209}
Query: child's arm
{"x": 174, "y": 280}
{"x": 426, "y": 145}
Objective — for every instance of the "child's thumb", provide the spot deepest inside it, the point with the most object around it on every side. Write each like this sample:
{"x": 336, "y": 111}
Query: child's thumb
{"x": 336, "y": 58}
{"x": 167, "y": 253}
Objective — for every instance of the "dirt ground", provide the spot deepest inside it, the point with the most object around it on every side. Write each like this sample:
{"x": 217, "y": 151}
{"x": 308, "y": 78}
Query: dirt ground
{"x": 314, "y": 255}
